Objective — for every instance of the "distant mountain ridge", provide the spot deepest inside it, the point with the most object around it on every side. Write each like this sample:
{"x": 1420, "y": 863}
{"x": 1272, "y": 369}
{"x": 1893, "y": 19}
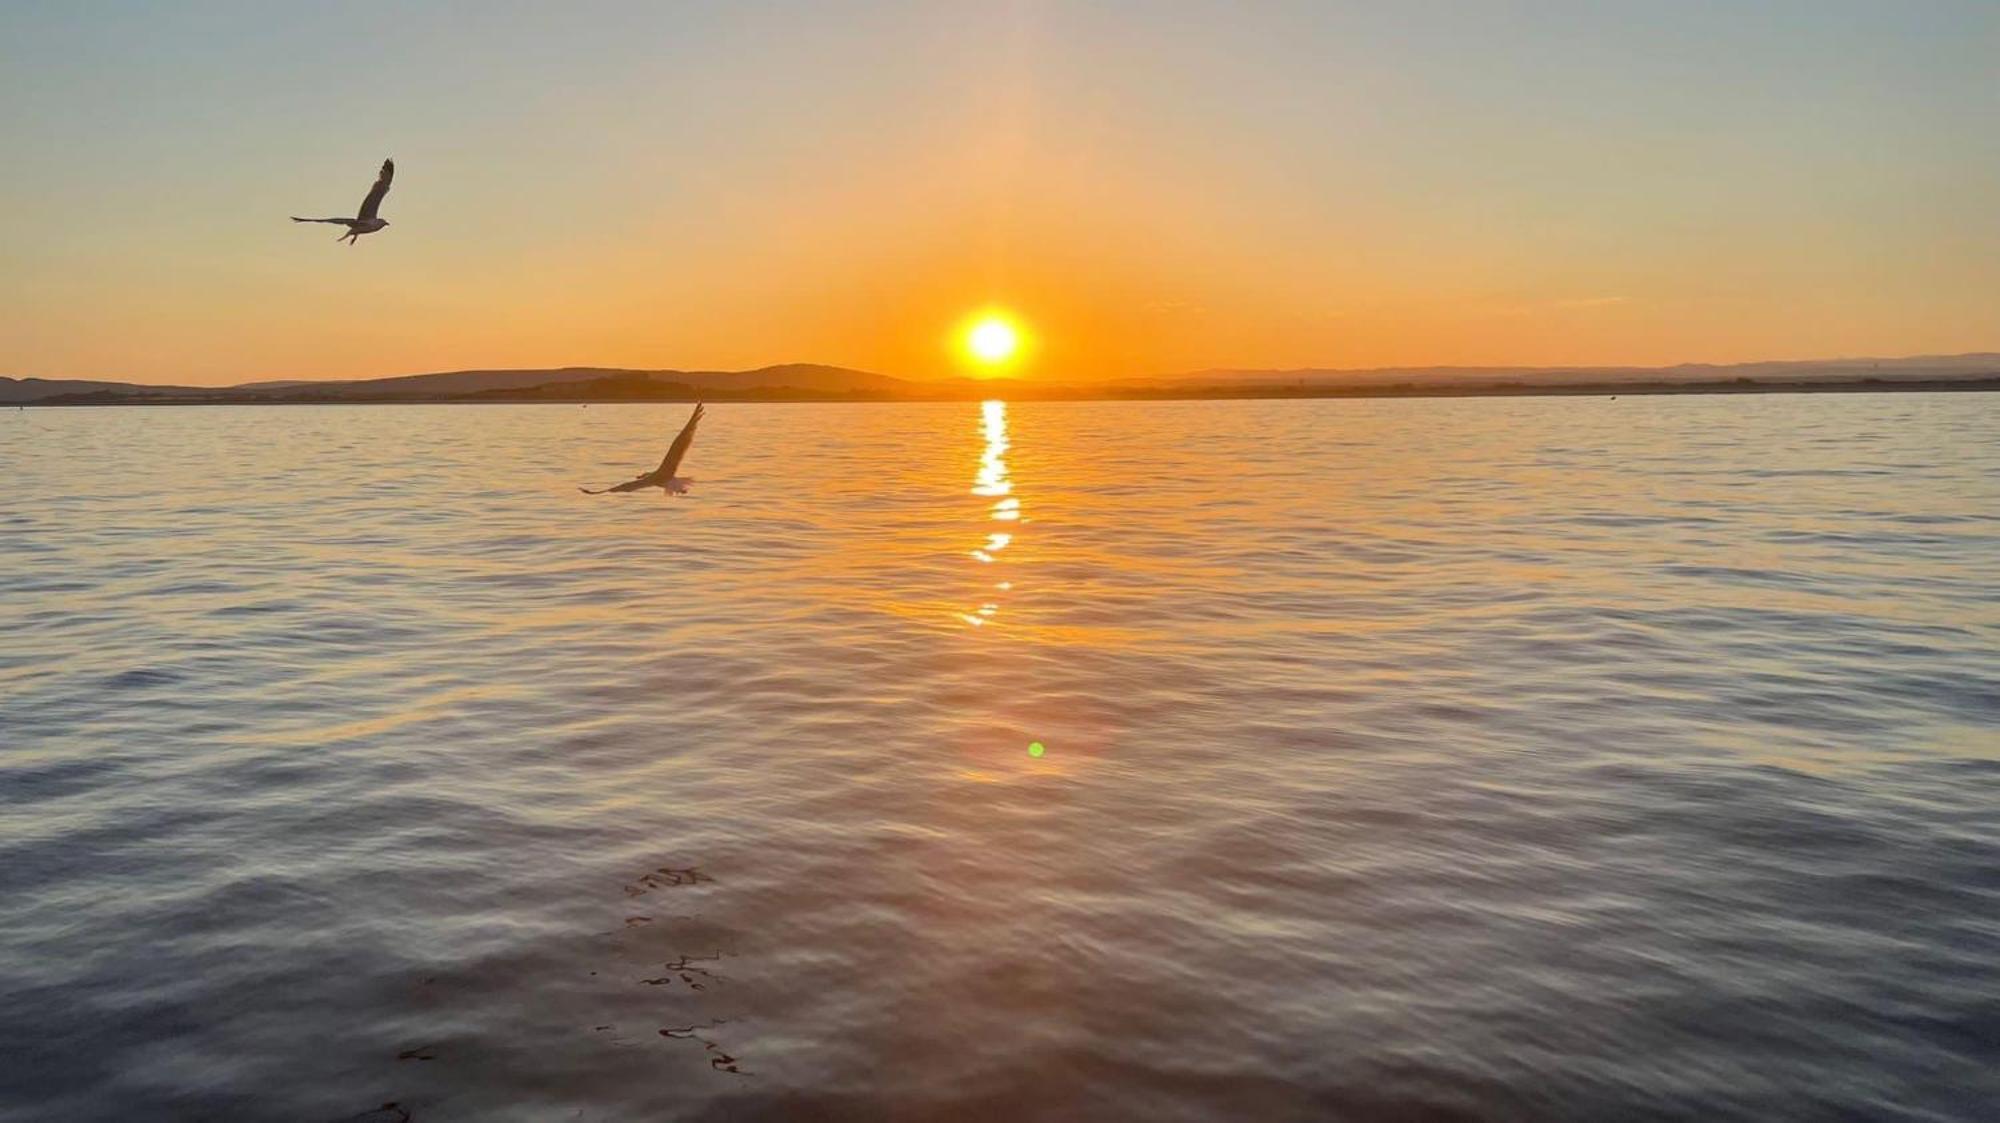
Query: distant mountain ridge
{"x": 814, "y": 381}
{"x": 14, "y": 391}
{"x": 809, "y": 377}
{"x": 798, "y": 376}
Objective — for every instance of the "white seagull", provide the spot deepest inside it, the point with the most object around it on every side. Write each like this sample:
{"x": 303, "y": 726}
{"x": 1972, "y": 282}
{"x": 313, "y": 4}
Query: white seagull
{"x": 663, "y": 476}
{"x": 365, "y": 222}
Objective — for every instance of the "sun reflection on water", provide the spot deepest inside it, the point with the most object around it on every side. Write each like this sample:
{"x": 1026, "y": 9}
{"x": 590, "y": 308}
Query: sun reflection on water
{"x": 992, "y": 478}
{"x": 995, "y": 482}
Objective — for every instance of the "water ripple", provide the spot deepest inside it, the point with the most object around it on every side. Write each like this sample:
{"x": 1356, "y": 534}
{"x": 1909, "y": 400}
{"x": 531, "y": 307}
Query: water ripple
{"x": 1485, "y": 759}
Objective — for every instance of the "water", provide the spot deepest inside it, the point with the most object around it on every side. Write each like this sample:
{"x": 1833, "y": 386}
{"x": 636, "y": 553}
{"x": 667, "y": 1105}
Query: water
{"x": 1480, "y": 759}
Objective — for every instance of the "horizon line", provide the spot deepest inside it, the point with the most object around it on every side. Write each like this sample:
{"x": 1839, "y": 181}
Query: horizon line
{"x": 1046, "y": 378}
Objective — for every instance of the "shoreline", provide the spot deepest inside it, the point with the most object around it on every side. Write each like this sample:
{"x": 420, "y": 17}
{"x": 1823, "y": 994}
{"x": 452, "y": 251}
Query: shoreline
{"x": 1026, "y": 393}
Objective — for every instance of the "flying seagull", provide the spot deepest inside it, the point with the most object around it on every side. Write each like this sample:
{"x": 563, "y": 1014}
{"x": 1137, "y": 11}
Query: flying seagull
{"x": 663, "y": 476}
{"x": 365, "y": 222}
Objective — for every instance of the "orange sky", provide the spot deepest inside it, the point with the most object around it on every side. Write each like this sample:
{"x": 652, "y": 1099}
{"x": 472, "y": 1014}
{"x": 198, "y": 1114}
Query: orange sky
{"x": 1151, "y": 188}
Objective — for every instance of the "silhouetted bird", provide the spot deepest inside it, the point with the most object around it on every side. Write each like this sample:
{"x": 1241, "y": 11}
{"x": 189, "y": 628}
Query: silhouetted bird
{"x": 663, "y": 476}
{"x": 365, "y": 222}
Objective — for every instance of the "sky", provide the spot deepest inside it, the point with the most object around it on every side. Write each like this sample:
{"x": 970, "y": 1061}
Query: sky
{"x": 1147, "y": 187}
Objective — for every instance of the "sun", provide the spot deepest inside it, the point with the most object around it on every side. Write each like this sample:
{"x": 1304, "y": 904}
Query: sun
{"x": 991, "y": 339}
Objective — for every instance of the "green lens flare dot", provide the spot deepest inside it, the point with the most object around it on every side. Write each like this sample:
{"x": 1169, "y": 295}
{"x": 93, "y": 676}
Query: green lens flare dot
{"x": 1035, "y": 748}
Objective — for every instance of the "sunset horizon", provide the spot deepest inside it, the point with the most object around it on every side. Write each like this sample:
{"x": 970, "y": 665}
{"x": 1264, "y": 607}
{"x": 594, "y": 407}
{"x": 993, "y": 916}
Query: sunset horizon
{"x": 1978, "y": 361}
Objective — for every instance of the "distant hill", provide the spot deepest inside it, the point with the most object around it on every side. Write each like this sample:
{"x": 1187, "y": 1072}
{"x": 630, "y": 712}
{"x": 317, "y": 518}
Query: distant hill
{"x": 796, "y": 376}
{"x": 17, "y": 390}
{"x": 811, "y": 378}
{"x": 446, "y": 382}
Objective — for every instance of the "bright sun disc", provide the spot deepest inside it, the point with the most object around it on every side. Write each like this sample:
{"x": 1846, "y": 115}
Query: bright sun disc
{"x": 992, "y": 340}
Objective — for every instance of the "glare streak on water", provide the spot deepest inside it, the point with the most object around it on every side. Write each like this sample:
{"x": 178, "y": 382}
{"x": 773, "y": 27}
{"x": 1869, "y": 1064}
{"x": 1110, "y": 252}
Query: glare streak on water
{"x": 1479, "y": 759}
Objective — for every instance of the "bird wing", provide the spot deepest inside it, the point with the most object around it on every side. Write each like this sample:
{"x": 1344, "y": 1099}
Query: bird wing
{"x": 679, "y": 449}
{"x": 381, "y": 188}
{"x": 628, "y": 485}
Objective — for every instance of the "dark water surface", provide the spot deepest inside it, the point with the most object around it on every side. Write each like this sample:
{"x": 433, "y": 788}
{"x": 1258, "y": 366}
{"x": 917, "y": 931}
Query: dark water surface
{"x": 1482, "y": 759}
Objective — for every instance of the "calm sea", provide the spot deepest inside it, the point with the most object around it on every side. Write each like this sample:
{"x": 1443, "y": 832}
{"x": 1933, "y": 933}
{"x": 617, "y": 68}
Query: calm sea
{"x": 1521, "y": 759}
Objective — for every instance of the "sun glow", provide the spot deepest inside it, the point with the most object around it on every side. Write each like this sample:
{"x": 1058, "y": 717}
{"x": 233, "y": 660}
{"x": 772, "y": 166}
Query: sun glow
{"x": 992, "y": 340}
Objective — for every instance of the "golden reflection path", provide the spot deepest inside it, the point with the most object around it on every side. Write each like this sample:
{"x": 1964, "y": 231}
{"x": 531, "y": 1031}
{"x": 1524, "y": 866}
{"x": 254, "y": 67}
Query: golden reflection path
{"x": 992, "y": 481}
{"x": 1038, "y": 751}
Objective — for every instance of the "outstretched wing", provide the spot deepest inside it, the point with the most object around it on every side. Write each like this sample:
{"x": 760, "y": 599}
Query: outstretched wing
{"x": 679, "y": 448}
{"x": 628, "y": 485}
{"x": 381, "y": 188}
